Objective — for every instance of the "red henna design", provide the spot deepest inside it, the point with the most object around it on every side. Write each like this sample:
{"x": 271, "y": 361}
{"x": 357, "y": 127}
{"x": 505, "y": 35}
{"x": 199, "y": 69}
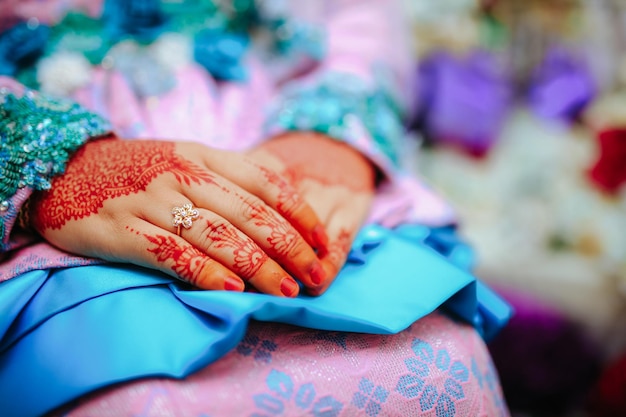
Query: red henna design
{"x": 132, "y": 230}
{"x": 108, "y": 169}
{"x": 287, "y": 200}
{"x": 187, "y": 261}
{"x": 338, "y": 249}
{"x": 282, "y": 238}
{"x": 248, "y": 257}
{"x": 293, "y": 176}
{"x": 324, "y": 160}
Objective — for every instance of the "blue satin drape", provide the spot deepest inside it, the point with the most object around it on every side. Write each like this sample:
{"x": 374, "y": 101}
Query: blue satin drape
{"x": 66, "y": 332}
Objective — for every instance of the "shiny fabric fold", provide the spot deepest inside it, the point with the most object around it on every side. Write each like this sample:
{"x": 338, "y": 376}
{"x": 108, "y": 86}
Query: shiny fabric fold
{"x": 71, "y": 331}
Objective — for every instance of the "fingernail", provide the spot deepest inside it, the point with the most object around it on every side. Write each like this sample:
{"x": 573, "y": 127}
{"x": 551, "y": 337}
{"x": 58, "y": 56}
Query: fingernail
{"x": 319, "y": 236}
{"x": 288, "y": 287}
{"x": 317, "y": 273}
{"x": 233, "y": 284}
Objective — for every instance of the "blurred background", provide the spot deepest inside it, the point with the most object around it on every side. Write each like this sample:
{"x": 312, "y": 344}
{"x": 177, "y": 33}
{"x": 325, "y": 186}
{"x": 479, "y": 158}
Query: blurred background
{"x": 520, "y": 120}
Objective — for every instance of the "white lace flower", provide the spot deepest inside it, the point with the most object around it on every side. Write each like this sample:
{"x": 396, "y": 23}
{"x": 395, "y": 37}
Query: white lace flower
{"x": 63, "y": 73}
{"x": 172, "y": 50}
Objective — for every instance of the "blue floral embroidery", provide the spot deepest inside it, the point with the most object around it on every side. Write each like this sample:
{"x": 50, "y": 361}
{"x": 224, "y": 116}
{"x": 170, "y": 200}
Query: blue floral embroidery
{"x": 283, "y": 391}
{"x": 221, "y": 53}
{"x": 476, "y": 372}
{"x": 414, "y": 385}
{"x": 261, "y": 350}
{"x": 21, "y": 46}
{"x": 337, "y": 338}
{"x": 220, "y": 31}
{"x": 370, "y": 397}
{"x": 142, "y": 20}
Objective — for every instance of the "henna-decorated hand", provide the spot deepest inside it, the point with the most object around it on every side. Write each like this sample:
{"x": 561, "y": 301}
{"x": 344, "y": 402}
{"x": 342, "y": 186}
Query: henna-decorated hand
{"x": 115, "y": 199}
{"x": 335, "y": 179}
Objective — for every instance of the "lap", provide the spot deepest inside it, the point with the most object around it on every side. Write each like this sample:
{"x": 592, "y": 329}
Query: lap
{"x": 436, "y": 367}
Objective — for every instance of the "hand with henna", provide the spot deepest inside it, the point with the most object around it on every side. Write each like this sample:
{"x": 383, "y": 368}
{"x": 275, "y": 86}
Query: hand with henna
{"x": 336, "y": 180}
{"x": 115, "y": 202}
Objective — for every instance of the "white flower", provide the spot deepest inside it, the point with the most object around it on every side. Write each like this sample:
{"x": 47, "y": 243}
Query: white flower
{"x": 63, "y": 73}
{"x": 172, "y": 50}
{"x": 274, "y": 8}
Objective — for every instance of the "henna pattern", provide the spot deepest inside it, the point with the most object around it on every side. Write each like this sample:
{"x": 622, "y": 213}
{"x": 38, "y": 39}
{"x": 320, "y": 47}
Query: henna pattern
{"x": 282, "y": 238}
{"x": 287, "y": 200}
{"x": 107, "y": 169}
{"x": 248, "y": 257}
{"x": 323, "y": 160}
{"x": 187, "y": 261}
{"x": 338, "y": 249}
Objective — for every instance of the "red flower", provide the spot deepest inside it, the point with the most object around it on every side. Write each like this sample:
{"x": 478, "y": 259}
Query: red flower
{"x": 609, "y": 171}
{"x": 608, "y": 398}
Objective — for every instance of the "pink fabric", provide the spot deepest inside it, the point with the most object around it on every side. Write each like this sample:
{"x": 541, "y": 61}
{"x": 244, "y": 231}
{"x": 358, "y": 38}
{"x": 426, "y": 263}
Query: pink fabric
{"x": 39, "y": 255}
{"x": 434, "y": 368}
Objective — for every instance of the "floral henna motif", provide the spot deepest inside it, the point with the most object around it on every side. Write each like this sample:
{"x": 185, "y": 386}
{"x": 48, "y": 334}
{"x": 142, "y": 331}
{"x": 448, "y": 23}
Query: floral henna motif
{"x": 248, "y": 257}
{"x": 287, "y": 200}
{"x": 107, "y": 169}
{"x": 282, "y": 239}
{"x": 187, "y": 262}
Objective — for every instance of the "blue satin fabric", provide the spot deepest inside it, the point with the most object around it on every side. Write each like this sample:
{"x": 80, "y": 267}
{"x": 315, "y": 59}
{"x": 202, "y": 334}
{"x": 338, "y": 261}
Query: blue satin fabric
{"x": 66, "y": 332}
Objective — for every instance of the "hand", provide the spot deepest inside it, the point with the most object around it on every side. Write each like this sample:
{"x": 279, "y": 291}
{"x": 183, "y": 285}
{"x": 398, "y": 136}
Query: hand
{"x": 115, "y": 199}
{"x": 333, "y": 178}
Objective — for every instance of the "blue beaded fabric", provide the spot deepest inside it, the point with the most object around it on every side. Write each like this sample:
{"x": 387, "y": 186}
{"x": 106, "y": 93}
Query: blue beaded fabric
{"x": 331, "y": 105}
{"x": 38, "y": 134}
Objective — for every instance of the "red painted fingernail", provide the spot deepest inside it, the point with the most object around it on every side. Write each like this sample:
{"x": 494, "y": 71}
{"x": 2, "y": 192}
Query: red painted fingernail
{"x": 289, "y": 287}
{"x": 319, "y": 236}
{"x": 233, "y": 284}
{"x": 317, "y": 273}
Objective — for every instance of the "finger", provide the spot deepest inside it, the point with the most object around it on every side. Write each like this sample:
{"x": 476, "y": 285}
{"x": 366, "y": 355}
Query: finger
{"x": 151, "y": 246}
{"x": 341, "y": 238}
{"x": 218, "y": 238}
{"x": 270, "y": 231}
{"x": 277, "y": 193}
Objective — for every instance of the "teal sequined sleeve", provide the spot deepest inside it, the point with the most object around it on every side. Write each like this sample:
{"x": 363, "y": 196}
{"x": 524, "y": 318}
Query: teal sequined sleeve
{"x": 38, "y": 134}
{"x": 333, "y": 104}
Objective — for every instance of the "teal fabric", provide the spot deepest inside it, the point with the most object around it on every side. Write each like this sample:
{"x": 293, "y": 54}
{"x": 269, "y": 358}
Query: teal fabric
{"x": 69, "y": 331}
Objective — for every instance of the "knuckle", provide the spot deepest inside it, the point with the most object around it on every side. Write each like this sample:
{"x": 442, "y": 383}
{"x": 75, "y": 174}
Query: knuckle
{"x": 211, "y": 232}
{"x": 251, "y": 208}
{"x": 300, "y": 250}
{"x": 290, "y": 203}
{"x": 297, "y": 207}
